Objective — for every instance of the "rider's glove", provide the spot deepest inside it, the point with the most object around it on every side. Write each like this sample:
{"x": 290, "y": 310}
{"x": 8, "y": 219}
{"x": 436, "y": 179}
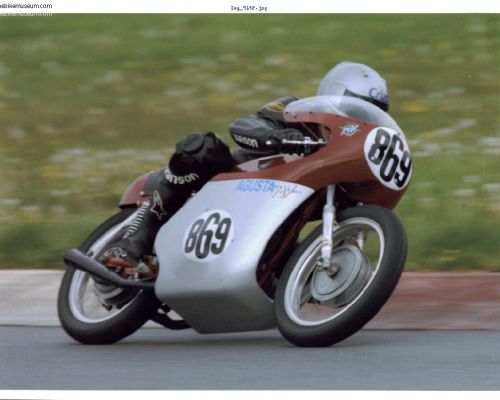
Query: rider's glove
{"x": 278, "y": 135}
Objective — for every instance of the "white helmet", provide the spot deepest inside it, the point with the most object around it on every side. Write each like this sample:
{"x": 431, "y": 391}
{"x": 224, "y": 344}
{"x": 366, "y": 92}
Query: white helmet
{"x": 357, "y": 80}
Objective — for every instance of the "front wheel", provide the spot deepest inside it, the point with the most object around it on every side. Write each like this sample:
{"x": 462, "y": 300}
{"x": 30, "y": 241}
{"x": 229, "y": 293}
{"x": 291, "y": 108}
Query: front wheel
{"x": 320, "y": 307}
{"x": 93, "y": 312}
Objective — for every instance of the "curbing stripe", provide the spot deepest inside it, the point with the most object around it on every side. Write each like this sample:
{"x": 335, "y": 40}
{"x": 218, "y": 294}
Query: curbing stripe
{"x": 422, "y": 300}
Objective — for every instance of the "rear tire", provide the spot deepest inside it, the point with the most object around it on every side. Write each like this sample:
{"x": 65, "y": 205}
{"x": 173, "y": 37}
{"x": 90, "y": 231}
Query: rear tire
{"x": 342, "y": 320}
{"x": 121, "y": 322}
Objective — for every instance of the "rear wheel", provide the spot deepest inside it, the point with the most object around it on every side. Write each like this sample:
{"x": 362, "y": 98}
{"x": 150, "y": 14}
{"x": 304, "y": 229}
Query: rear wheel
{"x": 318, "y": 307}
{"x": 93, "y": 312}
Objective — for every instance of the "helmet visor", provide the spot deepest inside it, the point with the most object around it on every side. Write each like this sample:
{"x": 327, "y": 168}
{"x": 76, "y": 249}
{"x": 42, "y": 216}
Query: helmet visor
{"x": 378, "y": 103}
{"x": 328, "y": 87}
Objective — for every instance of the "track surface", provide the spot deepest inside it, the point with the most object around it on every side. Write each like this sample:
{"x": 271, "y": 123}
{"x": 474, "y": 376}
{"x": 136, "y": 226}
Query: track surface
{"x": 47, "y": 359}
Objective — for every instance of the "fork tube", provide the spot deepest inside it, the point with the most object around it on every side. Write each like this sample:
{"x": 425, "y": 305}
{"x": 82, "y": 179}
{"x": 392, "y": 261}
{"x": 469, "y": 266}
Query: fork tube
{"x": 328, "y": 221}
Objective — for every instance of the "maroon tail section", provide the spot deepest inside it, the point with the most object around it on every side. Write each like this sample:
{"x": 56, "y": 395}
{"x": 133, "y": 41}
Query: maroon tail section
{"x": 134, "y": 196}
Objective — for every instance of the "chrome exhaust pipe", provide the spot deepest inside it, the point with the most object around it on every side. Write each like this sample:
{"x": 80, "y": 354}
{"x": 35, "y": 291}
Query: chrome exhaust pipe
{"x": 76, "y": 259}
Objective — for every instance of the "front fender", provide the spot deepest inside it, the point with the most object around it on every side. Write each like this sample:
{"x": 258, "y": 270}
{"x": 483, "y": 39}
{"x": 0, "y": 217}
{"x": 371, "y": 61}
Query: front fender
{"x": 141, "y": 189}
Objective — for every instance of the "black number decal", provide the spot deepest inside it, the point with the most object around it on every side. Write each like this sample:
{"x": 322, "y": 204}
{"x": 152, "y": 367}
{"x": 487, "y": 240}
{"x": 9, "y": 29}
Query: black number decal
{"x": 405, "y": 167}
{"x": 193, "y": 236}
{"x": 221, "y": 234}
{"x": 377, "y": 151}
{"x": 205, "y": 238}
{"x": 390, "y": 154}
{"x": 391, "y": 160}
{"x": 208, "y": 236}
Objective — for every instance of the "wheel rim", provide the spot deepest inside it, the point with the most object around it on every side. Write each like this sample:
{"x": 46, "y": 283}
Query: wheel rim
{"x": 309, "y": 303}
{"x": 86, "y": 302}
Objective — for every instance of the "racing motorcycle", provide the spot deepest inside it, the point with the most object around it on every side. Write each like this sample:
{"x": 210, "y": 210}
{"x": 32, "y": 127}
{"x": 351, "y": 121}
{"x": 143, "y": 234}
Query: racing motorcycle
{"x": 307, "y": 243}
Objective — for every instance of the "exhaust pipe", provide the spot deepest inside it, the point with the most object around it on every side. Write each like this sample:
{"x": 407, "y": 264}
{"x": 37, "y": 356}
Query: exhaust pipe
{"x": 76, "y": 259}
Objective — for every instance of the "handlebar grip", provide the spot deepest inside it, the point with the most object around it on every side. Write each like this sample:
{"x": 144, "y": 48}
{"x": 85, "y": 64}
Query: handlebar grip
{"x": 320, "y": 142}
{"x": 309, "y": 142}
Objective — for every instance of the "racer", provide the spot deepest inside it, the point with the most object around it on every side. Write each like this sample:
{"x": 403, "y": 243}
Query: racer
{"x": 202, "y": 155}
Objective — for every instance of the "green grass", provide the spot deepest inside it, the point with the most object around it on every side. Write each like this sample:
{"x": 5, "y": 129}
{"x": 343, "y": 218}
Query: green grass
{"x": 88, "y": 102}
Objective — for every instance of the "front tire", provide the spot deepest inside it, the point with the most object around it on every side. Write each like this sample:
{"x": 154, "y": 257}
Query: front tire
{"x": 118, "y": 312}
{"x": 320, "y": 308}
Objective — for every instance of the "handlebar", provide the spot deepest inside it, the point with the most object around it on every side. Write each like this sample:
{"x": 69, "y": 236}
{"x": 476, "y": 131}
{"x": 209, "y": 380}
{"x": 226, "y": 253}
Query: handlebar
{"x": 307, "y": 143}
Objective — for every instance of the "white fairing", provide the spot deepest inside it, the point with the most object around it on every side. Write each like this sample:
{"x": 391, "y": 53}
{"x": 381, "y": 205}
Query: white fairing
{"x": 209, "y": 252}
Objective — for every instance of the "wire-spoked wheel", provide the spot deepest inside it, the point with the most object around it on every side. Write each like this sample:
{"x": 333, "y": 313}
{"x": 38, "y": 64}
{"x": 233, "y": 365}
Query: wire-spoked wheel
{"x": 315, "y": 306}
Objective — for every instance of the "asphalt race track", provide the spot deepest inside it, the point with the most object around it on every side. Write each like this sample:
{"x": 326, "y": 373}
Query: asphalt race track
{"x": 47, "y": 359}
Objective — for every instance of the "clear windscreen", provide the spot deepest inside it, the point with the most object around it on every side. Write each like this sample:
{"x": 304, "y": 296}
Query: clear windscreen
{"x": 345, "y": 106}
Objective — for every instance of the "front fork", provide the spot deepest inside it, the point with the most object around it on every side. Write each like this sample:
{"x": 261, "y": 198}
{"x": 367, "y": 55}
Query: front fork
{"x": 325, "y": 259}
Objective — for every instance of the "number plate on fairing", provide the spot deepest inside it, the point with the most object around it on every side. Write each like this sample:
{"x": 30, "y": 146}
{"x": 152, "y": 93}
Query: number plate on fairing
{"x": 208, "y": 236}
{"x": 388, "y": 156}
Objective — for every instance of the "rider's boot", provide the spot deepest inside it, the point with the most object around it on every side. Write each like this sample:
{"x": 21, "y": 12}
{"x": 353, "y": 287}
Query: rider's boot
{"x": 138, "y": 239}
{"x": 197, "y": 158}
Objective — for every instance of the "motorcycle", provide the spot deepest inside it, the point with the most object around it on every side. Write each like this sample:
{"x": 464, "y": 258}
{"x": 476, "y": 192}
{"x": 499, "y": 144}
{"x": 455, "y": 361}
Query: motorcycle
{"x": 308, "y": 243}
